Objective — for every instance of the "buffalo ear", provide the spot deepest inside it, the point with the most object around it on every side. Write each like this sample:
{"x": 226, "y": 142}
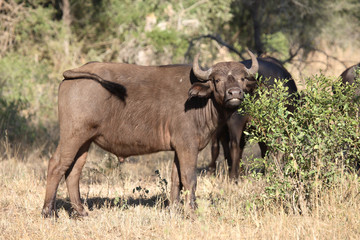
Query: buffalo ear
{"x": 200, "y": 90}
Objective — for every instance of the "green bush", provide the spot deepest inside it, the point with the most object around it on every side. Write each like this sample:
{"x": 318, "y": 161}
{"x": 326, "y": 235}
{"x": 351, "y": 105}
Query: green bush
{"x": 311, "y": 149}
{"x": 26, "y": 102}
{"x": 28, "y": 81}
{"x": 13, "y": 126}
{"x": 160, "y": 39}
{"x": 18, "y": 133}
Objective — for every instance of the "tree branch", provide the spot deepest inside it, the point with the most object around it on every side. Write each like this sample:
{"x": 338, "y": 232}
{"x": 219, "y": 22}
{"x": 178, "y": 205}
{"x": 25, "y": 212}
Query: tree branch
{"x": 218, "y": 39}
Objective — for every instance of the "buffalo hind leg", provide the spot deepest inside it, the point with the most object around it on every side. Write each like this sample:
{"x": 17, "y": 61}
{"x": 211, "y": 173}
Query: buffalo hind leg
{"x": 60, "y": 163}
{"x": 72, "y": 177}
{"x": 175, "y": 182}
{"x": 187, "y": 163}
{"x": 51, "y": 186}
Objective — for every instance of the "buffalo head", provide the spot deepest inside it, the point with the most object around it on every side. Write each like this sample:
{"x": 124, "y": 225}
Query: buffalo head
{"x": 227, "y": 81}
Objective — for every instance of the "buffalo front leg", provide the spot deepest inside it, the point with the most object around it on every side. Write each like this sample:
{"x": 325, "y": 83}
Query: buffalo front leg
{"x": 225, "y": 143}
{"x": 72, "y": 177}
{"x": 236, "y": 125}
{"x": 237, "y": 145}
{"x": 263, "y": 149}
{"x": 236, "y": 151}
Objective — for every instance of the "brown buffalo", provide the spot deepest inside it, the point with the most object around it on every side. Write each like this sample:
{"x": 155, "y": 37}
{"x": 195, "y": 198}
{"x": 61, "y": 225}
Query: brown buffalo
{"x": 231, "y": 135}
{"x": 132, "y": 110}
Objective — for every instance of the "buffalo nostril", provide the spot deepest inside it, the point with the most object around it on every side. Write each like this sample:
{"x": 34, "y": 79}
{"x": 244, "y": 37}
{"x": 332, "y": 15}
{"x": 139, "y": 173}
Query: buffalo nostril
{"x": 234, "y": 91}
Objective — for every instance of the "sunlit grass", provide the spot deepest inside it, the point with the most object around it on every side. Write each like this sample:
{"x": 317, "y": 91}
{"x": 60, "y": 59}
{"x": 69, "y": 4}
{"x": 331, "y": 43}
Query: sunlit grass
{"x": 118, "y": 211}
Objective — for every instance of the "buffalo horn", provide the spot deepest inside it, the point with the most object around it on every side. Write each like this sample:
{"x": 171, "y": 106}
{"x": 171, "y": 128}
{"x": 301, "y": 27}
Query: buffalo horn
{"x": 199, "y": 73}
{"x": 254, "y": 64}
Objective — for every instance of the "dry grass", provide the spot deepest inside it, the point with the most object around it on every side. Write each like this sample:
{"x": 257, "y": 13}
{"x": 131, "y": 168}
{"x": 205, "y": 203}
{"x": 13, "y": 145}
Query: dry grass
{"x": 226, "y": 210}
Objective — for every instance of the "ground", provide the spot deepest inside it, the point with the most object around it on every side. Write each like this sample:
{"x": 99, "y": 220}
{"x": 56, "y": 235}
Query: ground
{"x": 125, "y": 201}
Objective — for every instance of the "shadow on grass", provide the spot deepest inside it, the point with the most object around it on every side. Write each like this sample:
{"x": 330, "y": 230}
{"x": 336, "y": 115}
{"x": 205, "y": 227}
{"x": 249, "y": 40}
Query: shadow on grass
{"x": 99, "y": 203}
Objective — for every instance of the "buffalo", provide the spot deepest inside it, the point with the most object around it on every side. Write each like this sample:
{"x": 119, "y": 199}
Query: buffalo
{"x": 349, "y": 76}
{"x": 231, "y": 136}
{"x": 128, "y": 110}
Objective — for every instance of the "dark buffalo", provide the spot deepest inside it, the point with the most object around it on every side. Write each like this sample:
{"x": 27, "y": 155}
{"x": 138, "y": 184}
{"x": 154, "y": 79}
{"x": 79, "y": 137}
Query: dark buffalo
{"x": 231, "y": 135}
{"x": 349, "y": 76}
{"x": 132, "y": 110}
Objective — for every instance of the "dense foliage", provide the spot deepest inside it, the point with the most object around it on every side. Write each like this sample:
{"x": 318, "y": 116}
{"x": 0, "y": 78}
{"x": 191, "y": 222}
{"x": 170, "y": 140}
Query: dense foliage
{"x": 311, "y": 149}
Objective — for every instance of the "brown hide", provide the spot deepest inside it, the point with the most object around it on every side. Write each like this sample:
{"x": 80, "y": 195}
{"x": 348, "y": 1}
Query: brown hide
{"x": 231, "y": 135}
{"x": 132, "y": 110}
{"x": 349, "y": 75}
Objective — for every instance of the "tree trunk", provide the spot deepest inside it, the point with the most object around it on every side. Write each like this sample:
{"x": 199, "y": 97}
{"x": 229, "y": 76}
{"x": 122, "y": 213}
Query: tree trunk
{"x": 66, "y": 18}
{"x": 254, "y": 11}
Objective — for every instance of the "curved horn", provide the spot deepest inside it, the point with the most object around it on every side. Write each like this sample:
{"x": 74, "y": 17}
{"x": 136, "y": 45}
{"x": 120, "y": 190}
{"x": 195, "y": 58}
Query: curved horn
{"x": 199, "y": 73}
{"x": 254, "y": 64}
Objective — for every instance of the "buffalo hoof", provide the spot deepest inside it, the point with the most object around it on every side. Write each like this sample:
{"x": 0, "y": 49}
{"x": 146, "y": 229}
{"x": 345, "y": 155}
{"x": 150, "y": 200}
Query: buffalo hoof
{"x": 79, "y": 215}
{"x": 49, "y": 213}
{"x": 211, "y": 171}
{"x": 191, "y": 213}
{"x": 82, "y": 213}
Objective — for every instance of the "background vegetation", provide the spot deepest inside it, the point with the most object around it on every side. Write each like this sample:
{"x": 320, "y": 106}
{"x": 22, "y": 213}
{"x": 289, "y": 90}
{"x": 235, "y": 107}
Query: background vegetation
{"x": 310, "y": 186}
{"x": 42, "y": 38}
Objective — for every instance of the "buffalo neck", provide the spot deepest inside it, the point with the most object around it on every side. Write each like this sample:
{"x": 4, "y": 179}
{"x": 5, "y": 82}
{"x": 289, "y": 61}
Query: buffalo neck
{"x": 209, "y": 116}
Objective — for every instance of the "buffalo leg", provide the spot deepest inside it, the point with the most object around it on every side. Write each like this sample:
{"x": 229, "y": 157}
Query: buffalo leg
{"x": 235, "y": 152}
{"x": 51, "y": 186}
{"x": 225, "y": 143}
{"x": 61, "y": 161}
{"x": 215, "y": 149}
{"x": 263, "y": 149}
{"x": 223, "y": 137}
{"x": 236, "y": 125}
{"x": 175, "y": 182}
{"x": 72, "y": 177}
{"x": 187, "y": 163}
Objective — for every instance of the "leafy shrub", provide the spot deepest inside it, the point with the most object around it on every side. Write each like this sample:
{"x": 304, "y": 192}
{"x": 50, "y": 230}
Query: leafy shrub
{"x": 310, "y": 149}
{"x": 159, "y": 39}
{"x": 17, "y": 132}
{"x": 26, "y": 101}
{"x": 277, "y": 43}
{"x": 13, "y": 125}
